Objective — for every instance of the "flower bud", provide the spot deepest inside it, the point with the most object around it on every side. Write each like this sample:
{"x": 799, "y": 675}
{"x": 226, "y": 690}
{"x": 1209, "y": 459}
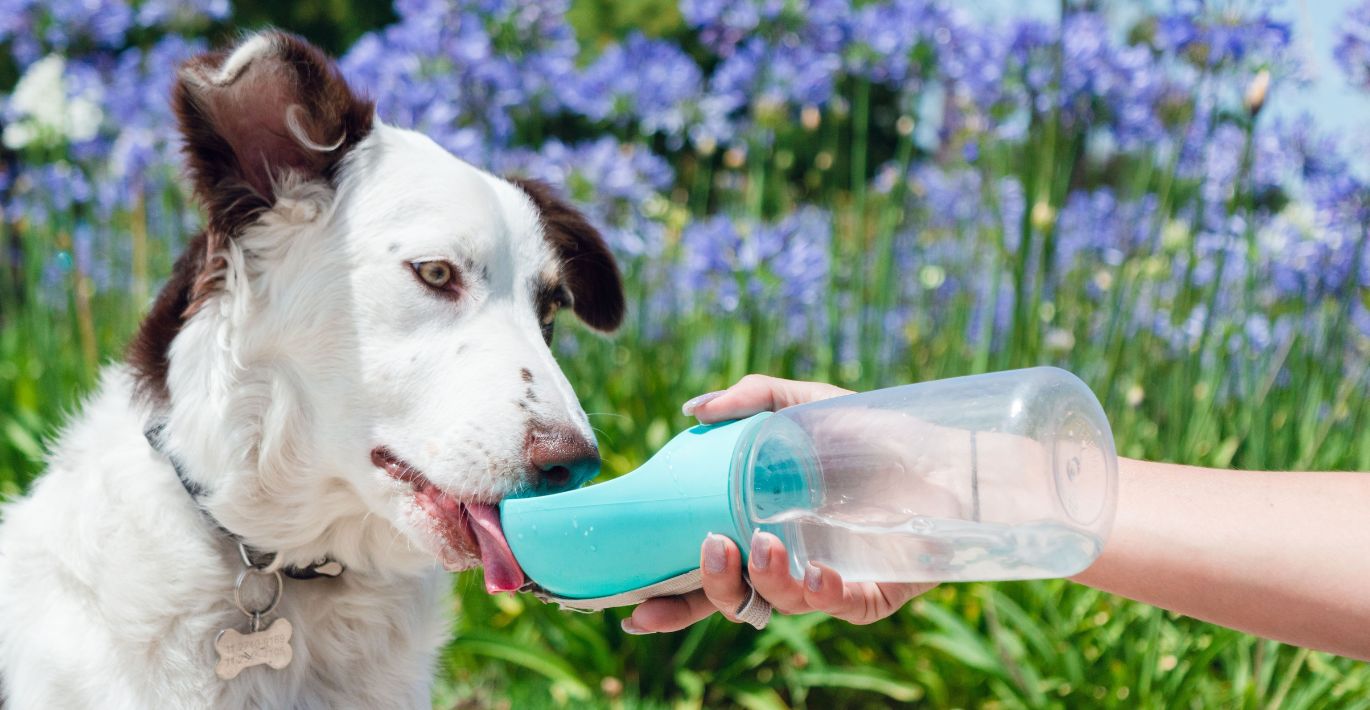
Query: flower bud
{"x": 1043, "y": 215}
{"x": 1256, "y": 92}
{"x": 735, "y": 157}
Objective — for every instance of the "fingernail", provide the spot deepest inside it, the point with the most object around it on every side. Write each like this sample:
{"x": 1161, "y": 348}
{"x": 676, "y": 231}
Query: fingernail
{"x": 688, "y": 409}
{"x": 813, "y": 577}
{"x": 715, "y": 554}
{"x": 629, "y": 628}
{"x": 761, "y": 550}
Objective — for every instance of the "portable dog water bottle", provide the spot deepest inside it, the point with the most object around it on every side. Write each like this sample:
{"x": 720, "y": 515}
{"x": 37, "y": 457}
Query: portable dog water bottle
{"x": 1008, "y": 475}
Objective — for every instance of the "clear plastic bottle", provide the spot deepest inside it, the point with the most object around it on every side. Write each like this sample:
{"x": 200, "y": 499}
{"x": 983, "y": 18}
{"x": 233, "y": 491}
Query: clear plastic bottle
{"x": 1006, "y": 475}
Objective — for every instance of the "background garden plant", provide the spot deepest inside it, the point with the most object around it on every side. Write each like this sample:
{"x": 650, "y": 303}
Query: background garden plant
{"x": 868, "y": 193}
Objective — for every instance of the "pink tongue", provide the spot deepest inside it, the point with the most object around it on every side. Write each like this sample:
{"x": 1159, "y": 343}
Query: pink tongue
{"x": 502, "y": 571}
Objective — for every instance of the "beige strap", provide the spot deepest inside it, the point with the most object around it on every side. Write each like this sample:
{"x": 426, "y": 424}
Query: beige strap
{"x": 673, "y": 586}
{"x": 754, "y": 610}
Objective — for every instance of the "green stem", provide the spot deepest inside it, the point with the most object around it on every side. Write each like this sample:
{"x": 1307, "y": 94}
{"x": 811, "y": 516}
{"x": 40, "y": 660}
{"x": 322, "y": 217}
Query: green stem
{"x": 882, "y": 261}
{"x": 860, "y": 131}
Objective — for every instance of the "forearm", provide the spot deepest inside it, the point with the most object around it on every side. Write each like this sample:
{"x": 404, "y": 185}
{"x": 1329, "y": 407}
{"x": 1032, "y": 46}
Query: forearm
{"x": 1280, "y": 555}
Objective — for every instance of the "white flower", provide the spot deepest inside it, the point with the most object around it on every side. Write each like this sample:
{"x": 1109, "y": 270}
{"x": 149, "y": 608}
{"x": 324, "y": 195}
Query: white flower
{"x": 44, "y": 110}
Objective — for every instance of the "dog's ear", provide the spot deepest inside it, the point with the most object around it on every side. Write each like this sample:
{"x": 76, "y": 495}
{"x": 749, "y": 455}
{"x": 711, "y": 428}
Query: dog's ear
{"x": 587, "y": 265}
{"x": 270, "y": 106}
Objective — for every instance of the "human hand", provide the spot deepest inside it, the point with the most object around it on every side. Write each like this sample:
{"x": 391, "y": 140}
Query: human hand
{"x": 724, "y": 589}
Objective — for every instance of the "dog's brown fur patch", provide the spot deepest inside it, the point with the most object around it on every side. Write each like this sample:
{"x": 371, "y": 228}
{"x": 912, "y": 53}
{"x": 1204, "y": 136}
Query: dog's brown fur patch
{"x": 587, "y": 265}
{"x": 238, "y": 141}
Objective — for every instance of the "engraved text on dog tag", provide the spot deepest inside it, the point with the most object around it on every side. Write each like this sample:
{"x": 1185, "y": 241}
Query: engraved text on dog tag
{"x": 270, "y": 646}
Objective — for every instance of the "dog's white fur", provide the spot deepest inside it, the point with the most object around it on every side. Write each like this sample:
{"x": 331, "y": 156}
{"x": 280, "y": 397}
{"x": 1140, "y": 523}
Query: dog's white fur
{"x": 319, "y": 346}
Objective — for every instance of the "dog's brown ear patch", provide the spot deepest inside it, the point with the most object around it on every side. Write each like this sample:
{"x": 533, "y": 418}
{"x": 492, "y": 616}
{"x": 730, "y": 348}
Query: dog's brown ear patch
{"x": 589, "y": 268}
{"x": 272, "y": 104}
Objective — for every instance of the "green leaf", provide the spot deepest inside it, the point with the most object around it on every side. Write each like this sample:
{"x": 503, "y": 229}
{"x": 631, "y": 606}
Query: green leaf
{"x": 862, "y": 679}
{"x": 1222, "y": 457}
{"x": 958, "y": 640}
{"x": 538, "y": 660}
{"x": 23, "y": 441}
{"x": 796, "y": 631}
{"x": 758, "y": 697}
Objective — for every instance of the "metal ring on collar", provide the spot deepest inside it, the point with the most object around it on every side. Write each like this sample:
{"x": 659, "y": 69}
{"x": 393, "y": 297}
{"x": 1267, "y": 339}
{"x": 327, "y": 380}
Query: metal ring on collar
{"x": 247, "y": 559}
{"x": 754, "y": 610}
{"x": 275, "y": 595}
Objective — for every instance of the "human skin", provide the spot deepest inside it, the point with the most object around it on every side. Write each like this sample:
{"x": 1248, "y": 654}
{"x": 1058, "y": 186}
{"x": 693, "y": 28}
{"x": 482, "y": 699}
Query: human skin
{"x": 1276, "y": 554}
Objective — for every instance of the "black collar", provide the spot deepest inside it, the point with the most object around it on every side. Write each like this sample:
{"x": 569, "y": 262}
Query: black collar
{"x": 253, "y": 558}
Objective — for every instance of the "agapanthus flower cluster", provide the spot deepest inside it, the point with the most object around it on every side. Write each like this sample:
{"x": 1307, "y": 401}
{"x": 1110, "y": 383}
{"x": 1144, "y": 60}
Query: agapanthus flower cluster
{"x": 885, "y": 36}
{"x": 1108, "y": 83}
{"x": 1353, "y": 45}
{"x": 32, "y": 29}
{"x": 1096, "y": 228}
{"x": 646, "y": 83}
{"x": 775, "y": 56}
{"x": 466, "y": 73}
{"x": 729, "y": 263}
{"x": 1222, "y": 36}
{"x": 89, "y": 116}
{"x": 627, "y": 131}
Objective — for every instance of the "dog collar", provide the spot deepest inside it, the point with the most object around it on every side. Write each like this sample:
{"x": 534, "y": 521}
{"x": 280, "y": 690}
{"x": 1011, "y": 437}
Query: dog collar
{"x": 251, "y": 558}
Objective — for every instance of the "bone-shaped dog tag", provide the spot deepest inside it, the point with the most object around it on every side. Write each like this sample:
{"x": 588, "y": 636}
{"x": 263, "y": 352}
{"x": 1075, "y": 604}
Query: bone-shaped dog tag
{"x": 237, "y": 651}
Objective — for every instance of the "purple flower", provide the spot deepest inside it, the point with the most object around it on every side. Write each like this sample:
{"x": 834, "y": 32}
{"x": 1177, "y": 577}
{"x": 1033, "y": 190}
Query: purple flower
{"x": 779, "y": 268}
{"x": 886, "y": 34}
{"x": 1353, "y": 45}
{"x": 775, "y": 57}
{"x": 949, "y": 200}
{"x": 723, "y": 23}
{"x": 466, "y": 73}
{"x": 1094, "y": 228}
{"x": 1217, "y": 39}
{"x": 793, "y": 73}
{"x": 1103, "y": 82}
{"x": 155, "y": 13}
{"x": 647, "y": 82}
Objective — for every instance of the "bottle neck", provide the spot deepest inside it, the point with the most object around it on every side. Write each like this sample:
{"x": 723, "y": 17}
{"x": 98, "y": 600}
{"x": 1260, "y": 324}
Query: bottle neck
{"x": 740, "y": 477}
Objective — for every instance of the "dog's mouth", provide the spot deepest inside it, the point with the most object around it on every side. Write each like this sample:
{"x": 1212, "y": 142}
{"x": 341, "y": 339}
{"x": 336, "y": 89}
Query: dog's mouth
{"x": 461, "y": 524}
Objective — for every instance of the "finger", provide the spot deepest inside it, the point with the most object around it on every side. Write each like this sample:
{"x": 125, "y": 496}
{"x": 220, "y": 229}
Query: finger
{"x": 769, "y": 571}
{"x": 858, "y": 603}
{"x": 668, "y": 613}
{"x": 760, "y": 393}
{"x": 721, "y": 563}
{"x": 823, "y": 589}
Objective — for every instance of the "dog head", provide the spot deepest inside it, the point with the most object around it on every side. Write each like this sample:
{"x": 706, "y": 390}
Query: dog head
{"x": 353, "y": 358}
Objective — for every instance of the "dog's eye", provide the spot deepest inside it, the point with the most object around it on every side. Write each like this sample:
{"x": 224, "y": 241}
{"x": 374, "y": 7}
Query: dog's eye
{"x": 437, "y": 274}
{"x": 549, "y": 321}
{"x": 551, "y": 315}
{"x": 559, "y": 300}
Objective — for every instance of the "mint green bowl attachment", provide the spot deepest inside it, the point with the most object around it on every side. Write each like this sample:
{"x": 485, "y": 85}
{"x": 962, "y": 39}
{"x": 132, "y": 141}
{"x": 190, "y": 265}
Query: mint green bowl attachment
{"x": 635, "y": 530}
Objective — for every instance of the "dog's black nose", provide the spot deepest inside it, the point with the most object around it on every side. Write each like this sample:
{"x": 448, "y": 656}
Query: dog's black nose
{"x": 562, "y": 457}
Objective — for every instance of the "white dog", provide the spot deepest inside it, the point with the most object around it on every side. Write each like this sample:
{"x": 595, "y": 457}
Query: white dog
{"x": 345, "y": 373}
